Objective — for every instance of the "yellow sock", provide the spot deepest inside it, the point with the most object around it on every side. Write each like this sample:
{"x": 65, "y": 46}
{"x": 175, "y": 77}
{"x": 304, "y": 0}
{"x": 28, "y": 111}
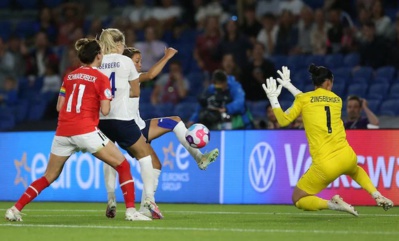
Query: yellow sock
{"x": 311, "y": 203}
{"x": 361, "y": 177}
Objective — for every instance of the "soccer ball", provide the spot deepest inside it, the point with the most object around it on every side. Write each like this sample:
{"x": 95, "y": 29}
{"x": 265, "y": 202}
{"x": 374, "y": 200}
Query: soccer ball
{"x": 197, "y": 135}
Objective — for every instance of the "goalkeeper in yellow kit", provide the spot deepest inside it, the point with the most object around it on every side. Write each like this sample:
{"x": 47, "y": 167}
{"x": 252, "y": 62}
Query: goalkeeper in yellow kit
{"x": 331, "y": 153}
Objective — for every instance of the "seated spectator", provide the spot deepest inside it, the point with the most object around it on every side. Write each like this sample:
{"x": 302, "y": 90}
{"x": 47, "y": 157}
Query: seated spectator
{"x": 70, "y": 17}
{"x": 363, "y": 17}
{"x": 374, "y": 49}
{"x": 95, "y": 28}
{"x": 214, "y": 9}
{"x": 287, "y": 35}
{"x": 234, "y": 43}
{"x": 9, "y": 91}
{"x": 222, "y": 105}
{"x": 138, "y": 14}
{"x": 293, "y": 6}
{"x": 72, "y": 62}
{"x": 51, "y": 80}
{"x": 381, "y": 21}
{"x": 39, "y": 55}
{"x": 46, "y": 24}
{"x": 267, "y": 7}
{"x": 230, "y": 67}
{"x": 171, "y": 87}
{"x": 268, "y": 34}
{"x": 165, "y": 16}
{"x": 250, "y": 25}
{"x": 255, "y": 73}
{"x": 318, "y": 35}
{"x": 151, "y": 47}
{"x": 354, "y": 107}
{"x": 206, "y": 46}
{"x": 305, "y": 26}
{"x": 7, "y": 61}
{"x": 336, "y": 32}
{"x": 18, "y": 49}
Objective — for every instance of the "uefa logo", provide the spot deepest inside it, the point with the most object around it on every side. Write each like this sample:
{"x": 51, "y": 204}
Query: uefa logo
{"x": 262, "y": 167}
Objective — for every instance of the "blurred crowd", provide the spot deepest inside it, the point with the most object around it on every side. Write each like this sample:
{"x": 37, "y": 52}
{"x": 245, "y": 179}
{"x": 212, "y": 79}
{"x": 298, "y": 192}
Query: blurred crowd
{"x": 247, "y": 39}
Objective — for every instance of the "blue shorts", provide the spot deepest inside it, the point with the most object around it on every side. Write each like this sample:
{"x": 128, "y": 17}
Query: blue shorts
{"x": 125, "y": 133}
{"x": 146, "y": 129}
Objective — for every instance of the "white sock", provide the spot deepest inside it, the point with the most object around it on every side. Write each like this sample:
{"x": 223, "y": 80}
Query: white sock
{"x": 147, "y": 177}
{"x": 376, "y": 194}
{"x": 156, "y": 173}
{"x": 110, "y": 180}
{"x": 180, "y": 132}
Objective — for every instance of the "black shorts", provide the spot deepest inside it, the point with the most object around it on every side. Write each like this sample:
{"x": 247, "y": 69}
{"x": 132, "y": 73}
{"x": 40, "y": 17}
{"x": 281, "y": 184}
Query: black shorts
{"x": 125, "y": 133}
{"x": 146, "y": 129}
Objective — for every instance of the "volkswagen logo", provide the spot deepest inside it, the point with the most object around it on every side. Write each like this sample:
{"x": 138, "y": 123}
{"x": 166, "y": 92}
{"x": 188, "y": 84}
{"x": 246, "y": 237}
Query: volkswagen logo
{"x": 262, "y": 167}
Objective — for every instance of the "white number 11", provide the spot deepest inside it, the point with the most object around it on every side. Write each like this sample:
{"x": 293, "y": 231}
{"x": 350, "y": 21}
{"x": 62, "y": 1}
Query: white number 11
{"x": 80, "y": 96}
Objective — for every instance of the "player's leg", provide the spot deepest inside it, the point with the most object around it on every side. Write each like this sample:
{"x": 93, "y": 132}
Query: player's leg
{"x": 139, "y": 148}
{"x": 358, "y": 174}
{"x": 317, "y": 178}
{"x": 128, "y": 135}
{"x": 156, "y": 164}
{"x": 111, "y": 155}
{"x": 156, "y": 173}
{"x": 110, "y": 182}
{"x": 160, "y": 126}
{"x": 304, "y": 197}
{"x": 60, "y": 152}
{"x": 109, "y": 127}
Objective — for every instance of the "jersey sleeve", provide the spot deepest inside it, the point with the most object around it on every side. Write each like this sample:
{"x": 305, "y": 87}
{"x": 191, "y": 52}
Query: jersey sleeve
{"x": 103, "y": 87}
{"x": 285, "y": 118}
{"x": 62, "y": 89}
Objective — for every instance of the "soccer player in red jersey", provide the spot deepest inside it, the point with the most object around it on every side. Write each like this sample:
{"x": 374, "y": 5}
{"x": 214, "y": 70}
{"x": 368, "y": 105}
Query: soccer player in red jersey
{"x": 84, "y": 92}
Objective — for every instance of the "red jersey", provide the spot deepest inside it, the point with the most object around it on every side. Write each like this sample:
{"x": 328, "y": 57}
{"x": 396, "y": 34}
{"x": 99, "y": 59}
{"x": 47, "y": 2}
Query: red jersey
{"x": 83, "y": 89}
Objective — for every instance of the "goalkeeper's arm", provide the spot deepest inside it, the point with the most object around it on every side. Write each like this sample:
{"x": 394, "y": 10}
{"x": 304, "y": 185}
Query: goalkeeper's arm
{"x": 285, "y": 81}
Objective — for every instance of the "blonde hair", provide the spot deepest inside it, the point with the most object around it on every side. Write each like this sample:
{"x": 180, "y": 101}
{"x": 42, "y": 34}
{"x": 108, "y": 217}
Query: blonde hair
{"x": 110, "y": 39}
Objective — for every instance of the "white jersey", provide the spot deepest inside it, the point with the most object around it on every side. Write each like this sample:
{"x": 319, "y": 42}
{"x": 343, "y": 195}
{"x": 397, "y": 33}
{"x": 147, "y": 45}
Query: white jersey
{"x": 120, "y": 70}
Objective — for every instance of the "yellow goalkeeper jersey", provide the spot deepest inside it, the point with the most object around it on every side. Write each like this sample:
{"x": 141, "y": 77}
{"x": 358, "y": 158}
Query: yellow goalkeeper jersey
{"x": 321, "y": 114}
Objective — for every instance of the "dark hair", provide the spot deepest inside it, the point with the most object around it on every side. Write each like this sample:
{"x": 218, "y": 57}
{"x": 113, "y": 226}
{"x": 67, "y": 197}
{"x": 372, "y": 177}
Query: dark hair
{"x": 219, "y": 76}
{"x": 356, "y": 98}
{"x": 320, "y": 74}
{"x": 268, "y": 16}
{"x": 87, "y": 50}
{"x": 130, "y": 51}
{"x": 369, "y": 24}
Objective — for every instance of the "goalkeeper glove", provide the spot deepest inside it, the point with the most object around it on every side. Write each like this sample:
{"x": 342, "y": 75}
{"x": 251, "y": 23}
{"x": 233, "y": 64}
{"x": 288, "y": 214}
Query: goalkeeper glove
{"x": 285, "y": 81}
{"x": 272, "y": 91}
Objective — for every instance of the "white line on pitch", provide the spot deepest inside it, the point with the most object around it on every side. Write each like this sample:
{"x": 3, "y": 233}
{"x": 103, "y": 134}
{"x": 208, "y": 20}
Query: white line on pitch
{"x": 223, "y": 213}
{"x": 237, "y": 230}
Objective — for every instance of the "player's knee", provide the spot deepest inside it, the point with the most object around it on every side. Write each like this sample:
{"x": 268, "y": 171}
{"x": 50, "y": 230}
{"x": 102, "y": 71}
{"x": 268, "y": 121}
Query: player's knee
{"x": 175, "y": 118}
{"x": 124, "y": 164}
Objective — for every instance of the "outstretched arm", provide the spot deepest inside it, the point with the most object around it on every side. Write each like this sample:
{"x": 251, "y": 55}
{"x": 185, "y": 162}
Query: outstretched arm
{"x": 157, "y": 68}
{"x": 285, "y": 81}
{"x": 273, "y": 91}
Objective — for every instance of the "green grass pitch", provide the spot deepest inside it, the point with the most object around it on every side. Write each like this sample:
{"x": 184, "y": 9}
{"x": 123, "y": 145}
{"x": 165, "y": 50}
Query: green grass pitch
{"x": 45, "y": 221}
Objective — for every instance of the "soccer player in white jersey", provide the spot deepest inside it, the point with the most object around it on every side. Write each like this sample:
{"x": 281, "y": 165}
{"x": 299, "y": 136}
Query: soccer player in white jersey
{"x": 119, "y": 125}
{"x": 154, "y": 128}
